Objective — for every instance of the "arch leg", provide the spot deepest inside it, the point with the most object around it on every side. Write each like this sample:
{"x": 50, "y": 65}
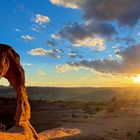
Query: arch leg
{"x": 22, "y": 117}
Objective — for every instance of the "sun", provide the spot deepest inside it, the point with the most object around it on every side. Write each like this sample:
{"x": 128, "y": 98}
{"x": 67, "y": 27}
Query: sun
{"x": 136, "y": 79}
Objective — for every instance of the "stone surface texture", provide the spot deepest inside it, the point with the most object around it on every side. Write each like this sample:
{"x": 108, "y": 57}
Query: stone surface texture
{"x": 11, "y": 69}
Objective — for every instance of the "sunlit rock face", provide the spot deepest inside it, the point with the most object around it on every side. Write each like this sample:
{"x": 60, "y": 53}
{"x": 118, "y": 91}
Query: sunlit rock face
{"x": 11, "y": 69}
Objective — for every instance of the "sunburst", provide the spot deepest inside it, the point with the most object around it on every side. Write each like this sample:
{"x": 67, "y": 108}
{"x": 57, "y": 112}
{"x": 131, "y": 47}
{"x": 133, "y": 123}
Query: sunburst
{"x": 136, "y": 79}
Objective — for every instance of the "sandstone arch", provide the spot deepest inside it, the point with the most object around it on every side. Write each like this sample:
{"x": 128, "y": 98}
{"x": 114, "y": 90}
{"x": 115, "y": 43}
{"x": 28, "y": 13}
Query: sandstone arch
{"x": 11, "y": 69}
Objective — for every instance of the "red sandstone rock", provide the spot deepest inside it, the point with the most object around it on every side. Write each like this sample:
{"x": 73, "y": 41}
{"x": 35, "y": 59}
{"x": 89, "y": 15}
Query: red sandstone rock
{"x": 11, "y": 69}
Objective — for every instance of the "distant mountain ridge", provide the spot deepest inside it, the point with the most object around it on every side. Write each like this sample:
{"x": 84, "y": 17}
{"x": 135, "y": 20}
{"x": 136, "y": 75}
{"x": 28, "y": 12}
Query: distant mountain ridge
{"x": 73, "y": 94}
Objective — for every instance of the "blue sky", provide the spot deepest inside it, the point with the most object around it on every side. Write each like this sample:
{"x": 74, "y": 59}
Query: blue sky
{"x": 74, "y": 43}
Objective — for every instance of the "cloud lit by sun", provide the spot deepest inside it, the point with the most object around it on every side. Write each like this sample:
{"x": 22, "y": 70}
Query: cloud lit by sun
{"x": 90, "y": 39}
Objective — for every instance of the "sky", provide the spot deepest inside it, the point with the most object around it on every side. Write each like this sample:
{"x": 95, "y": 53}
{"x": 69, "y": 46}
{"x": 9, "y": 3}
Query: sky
{"x": 74, "y": 43}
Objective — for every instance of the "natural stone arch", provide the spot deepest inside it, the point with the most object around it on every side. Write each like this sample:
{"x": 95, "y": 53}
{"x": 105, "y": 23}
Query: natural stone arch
{"x": 11, "y": 69}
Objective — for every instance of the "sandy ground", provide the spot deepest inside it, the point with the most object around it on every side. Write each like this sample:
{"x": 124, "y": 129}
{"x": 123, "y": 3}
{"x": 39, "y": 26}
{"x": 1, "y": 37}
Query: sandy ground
{"x": 117, "y": 124}
{"x": 113, "y": 126}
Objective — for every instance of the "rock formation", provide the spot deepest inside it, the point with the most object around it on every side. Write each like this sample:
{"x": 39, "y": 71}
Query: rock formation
{"x": 11, "y": 69}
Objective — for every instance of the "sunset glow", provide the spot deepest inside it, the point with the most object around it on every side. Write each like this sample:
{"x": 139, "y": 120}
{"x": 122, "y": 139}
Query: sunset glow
{"x": 91, "y": 44}
{"x": 137, "y": 79}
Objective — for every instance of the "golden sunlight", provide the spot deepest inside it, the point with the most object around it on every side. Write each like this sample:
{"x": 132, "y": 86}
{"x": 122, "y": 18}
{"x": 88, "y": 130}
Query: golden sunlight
{"x": 136, "y": 79}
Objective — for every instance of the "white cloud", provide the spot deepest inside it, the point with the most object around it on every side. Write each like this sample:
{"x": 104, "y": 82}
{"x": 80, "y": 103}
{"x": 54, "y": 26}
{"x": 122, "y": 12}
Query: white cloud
{"x": 66, "y": 68}
{"x": 94, "y": 42}
{"x": 17, "y": 30}
{"x": 34, "y": 29}
{"x": 67, "y": 3}
{"x": 118, "y": 56}
{"x": 72, "y": 55}
{"x": 27, "y": 38}
{"x": 81, "y": 35}
{"x": 39, "y": 51}
{"x": 43, "y": 52}
{"x": 27, "y": 64}
{"x": 41, "y": 19}
{"x": 129, "y": 64}
{"x": 105, "y": 10}
{"x": 55, "y": 36}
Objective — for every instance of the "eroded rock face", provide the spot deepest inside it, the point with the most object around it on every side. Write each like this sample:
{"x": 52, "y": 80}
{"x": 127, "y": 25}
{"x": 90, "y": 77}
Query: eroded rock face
{"x": 11, "y": 69}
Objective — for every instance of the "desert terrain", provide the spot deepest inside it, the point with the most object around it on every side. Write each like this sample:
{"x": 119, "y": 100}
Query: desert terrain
{"x": 107, "y": 115}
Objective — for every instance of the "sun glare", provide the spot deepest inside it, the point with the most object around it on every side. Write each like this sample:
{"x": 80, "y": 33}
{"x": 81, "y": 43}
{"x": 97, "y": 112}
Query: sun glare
{"x": 136, "y": 79}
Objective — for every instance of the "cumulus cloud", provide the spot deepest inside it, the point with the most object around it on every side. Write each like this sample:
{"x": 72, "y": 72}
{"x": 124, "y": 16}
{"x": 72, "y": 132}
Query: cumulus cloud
{"x": 117, "y": 55}
{"x": 35, "y": 29}
{"x": 98, "y": 25}
{"x": 81, "y": 31}
{"x": 104, "y": 66}
{"x": 55, "y": 36}
{"x": 131, "y": 58}
{"x": 126, "y": 12}
{"x": 95, "y": 42}
{"x": 78, "y": 32}
{"x": 130, "y": 63}
{"x": 81, "y": 35}
{"x": 17, "y": 30}
{"x": 41, "y": 19}
{"x": 38, "y": 51}
{"x": 27, "y": 38}
{"x": 67, "y": 3}
{"x": 99, "y": 17}
{"x": 54, "y": 53}
{"x": 73, "y": 31}
{"x": 66, "y": 67}
{"x": 74, "y": 55}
